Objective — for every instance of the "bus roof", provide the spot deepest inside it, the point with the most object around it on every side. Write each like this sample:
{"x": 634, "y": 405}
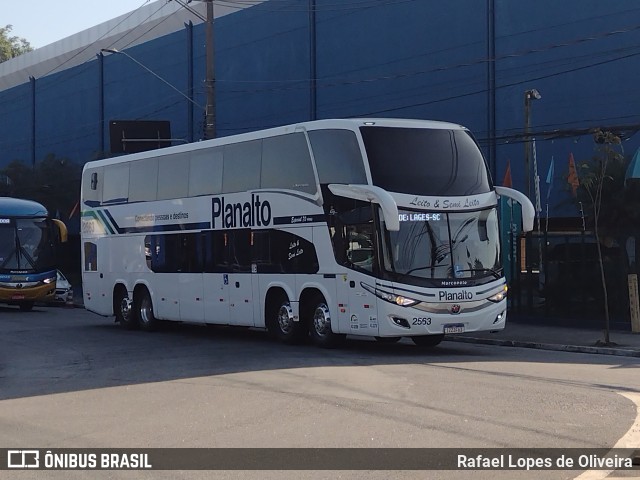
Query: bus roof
{"x": 17, "y": 207}
{"x": 343, "y": 123}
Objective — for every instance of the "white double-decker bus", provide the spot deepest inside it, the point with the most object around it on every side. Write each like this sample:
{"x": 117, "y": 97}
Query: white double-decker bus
{"x": 373, "y": 227}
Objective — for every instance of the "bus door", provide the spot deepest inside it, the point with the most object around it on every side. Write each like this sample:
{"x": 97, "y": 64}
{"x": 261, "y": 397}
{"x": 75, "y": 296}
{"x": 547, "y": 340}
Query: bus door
{"x": 351, "y": 223}
{"x": 360, "y": 260}
{"x": 240, "y": 278}
{"x": 355, "y": 249}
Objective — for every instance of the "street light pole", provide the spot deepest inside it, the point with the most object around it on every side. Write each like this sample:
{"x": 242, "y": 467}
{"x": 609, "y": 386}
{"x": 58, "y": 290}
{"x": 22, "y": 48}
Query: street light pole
{"x": 529, "y": 95}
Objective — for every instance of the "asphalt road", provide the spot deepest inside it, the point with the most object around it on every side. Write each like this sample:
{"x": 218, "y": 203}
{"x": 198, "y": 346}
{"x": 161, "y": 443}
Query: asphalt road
{"x": 71, "y": 379}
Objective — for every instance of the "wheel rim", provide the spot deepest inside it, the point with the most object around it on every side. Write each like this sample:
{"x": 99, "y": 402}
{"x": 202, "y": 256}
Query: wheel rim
{"x": 285, "y": 318}
{"x": 322, "y": 320}
{"x": 125, "y": 309}
{"x": 146, "y": 310}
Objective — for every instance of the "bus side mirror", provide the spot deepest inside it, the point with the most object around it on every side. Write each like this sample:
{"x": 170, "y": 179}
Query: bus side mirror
{"x": 528, "y": 212}
{"x": 373, "y": 194}
{"x": 62, "y": 230}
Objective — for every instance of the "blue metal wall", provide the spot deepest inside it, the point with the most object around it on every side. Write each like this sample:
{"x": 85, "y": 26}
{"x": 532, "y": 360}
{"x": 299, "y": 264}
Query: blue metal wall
{"x": 582, "y": 56}
{"x": 466, "y": 61}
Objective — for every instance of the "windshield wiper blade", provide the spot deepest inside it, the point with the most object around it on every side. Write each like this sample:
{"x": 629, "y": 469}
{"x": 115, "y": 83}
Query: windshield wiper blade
{"x": 419, "y": 268}
{"x": 493, "y": 272}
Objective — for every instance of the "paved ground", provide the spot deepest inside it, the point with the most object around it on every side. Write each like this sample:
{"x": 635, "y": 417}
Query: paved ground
{"x": 546, "y": 335}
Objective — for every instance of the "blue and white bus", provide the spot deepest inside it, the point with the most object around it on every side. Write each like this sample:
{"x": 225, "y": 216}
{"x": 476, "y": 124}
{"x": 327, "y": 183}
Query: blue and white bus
{"x": 371, "y": 227}
{"x": 29, "y": 240}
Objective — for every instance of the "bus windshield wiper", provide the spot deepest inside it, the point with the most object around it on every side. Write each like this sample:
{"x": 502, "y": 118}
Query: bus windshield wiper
{"x": 22, "y": 252}
{"x": 493, "y": 272}
{"x": 419, "y": 268}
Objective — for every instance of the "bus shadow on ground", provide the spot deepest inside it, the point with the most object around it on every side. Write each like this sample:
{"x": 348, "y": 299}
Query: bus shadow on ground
{"x": 67, "y": 352}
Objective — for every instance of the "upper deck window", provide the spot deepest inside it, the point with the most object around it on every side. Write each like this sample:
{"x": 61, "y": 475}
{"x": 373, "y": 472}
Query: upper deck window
{"x": 338, "y": 157}
{"x": 424, "y": 161}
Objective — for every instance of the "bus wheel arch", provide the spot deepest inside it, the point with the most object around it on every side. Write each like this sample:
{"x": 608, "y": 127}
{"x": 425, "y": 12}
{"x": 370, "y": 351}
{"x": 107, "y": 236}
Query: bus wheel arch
{"x": 316, "y": 314}
{"x": 143, "y": 308}
{"x": 123, "y": 307}
{"x": 279, "y": 317}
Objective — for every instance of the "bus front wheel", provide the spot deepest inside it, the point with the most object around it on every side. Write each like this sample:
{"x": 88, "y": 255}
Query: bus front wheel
{"x": 387, "y": 339}
{"x": 427, "y": 341}
{"x": 144, "y": 310}
{"x": 26, "y": 306}
{"x": 320, "y": 325}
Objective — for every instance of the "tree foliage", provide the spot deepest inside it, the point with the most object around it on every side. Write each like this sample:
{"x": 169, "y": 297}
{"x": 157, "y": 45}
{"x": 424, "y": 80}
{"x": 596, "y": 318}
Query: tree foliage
{"x": 12, "y": 46}
{"x": 55, "y": 183}
{"x": 613, "y": 207}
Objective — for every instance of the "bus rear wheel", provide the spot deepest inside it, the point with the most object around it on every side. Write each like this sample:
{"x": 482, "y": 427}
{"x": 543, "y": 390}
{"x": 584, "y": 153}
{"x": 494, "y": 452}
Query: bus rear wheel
{"x": 427, "y": 341}
{"x": 281, "y": 324}
{"x": 124, "y": 309}
{"x": 144, "y": 311}
{"x": 320, "y": 325}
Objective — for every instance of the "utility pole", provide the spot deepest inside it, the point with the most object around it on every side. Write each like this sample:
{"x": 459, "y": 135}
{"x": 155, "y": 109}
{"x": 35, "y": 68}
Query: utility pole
{"x": 210, "y": 115}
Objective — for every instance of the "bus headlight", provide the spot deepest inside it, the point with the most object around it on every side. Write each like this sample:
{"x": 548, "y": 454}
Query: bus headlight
{"x": 498, "y": 297}
{"x": 390, "y": 297}
{"x": 49, "y": 280}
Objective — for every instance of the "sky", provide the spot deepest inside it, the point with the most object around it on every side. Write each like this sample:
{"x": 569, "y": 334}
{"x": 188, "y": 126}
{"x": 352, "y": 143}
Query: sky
{"x": 42, "y": 22}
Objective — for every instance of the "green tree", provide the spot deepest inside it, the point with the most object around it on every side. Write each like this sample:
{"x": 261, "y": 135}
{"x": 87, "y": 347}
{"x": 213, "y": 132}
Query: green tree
{"x": 602, "y": 190}
{"x": 55, "y": 182}
{"x": 11, "y": 46}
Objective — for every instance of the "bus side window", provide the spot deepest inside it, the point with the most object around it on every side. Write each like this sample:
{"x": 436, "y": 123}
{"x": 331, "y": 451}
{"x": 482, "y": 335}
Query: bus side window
{"x": 352, "y": 234}
{"x": 264, "y": 252}
{"x": 240, "y": 250}
{"x": 190, "y": 256}
{"x": 216, "y": 252}
{"x": 90, "y": 257}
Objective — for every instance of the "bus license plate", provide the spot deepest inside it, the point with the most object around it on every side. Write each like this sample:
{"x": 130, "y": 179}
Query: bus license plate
{"x": 17, "y": 297}
{"x": 454, "y": 328}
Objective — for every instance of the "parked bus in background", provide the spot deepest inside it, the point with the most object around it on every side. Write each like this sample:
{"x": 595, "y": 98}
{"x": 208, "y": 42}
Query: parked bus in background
{"x": 29, "y": 240}
{"x": 383, "y": 227}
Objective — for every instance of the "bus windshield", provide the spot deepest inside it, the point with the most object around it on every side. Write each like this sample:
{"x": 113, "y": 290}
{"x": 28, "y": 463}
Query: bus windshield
{"x": 26, "y": 244}
{"x": 444, "y": 246}
{"x": 421, "y": 161}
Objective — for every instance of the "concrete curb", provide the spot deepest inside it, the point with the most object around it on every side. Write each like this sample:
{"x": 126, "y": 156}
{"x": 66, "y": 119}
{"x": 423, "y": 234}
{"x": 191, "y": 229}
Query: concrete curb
{"x": 621, "y": 352}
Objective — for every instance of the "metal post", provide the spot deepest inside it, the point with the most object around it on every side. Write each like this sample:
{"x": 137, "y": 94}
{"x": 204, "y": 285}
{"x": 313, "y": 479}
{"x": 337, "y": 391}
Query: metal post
{"x": 210, "y": 116}
{"x": 529, "y": 95}
{"x": 527, "y": 147}
{"x": 491, "y": 75}
{"x": 189, "y": 29}
{"x": 312, "y": 61}
{"x": 33, "y": 121}
{"x": 101, "y": 101}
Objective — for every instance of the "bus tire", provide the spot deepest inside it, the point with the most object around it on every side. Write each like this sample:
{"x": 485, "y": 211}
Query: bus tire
{"x": 26, "y": 306}
{"x": 280, "y": 322}
{"x": 427, "y": 341}
{"x": 319, "y": 320}
{"x": 388, "y": 339}
{"x": 144, "y": 311}
{"x": 123, "y": 309}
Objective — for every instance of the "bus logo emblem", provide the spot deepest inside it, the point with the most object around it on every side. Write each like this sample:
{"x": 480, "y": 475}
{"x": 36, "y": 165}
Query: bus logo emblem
{"x": 455, "y": 309}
